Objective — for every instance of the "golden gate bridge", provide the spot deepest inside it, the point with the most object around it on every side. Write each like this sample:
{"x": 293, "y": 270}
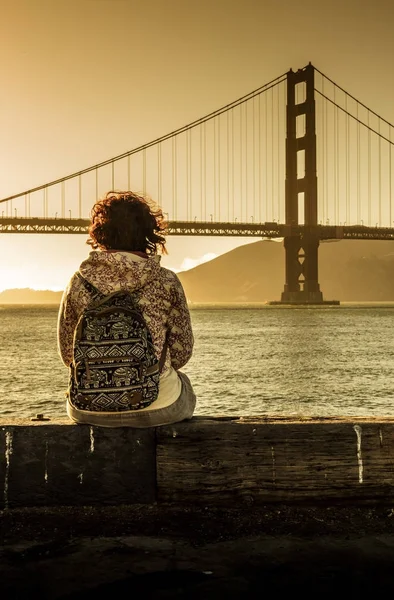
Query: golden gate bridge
{"x": 298, "y": 158}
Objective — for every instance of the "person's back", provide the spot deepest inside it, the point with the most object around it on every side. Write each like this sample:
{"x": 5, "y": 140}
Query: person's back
{"x": 126, "y": 234}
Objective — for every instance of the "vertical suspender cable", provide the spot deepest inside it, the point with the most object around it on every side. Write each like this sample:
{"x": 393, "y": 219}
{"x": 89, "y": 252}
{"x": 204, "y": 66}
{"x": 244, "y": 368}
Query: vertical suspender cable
{"x": 214, "y": 169}
{"x": 369, "y": 172}
{"x": 219, "y": 176}
{"x": 246, "y": 217}
{"x": 228, "y": 162}
{"x": 144, "y": 170}
{"x": 335, "y": 146}
{"x": 188, "y": 216}
{"x": 319, "y": 150}
{"x": 159, "y": 174}
{"x": 190, "y": 168}
{"x": 128, "y": 173}
{"x": 259, "y": 155}
{"x": 113, "y": 175}
{"x": 322, "y": 158}
{"x": 338, "y": 164}
{"x": 390, "y": 176}
{"x": 266, "y": 156}
{"x": 96, "y": 184}
{"x": 173, "y": 174}
{"x": 253, "y": 159}
{"x": 80, "y": 196}
{"x": 284, "y": 147}
{"x": 62, "y": 198}
{"x": 278, "y": 156}
{"x": 380, "y": 176}
{"x": 232, "y": 163}
{"x": 240, "y": 158}
{"x": 347, "y": 164}
{"x": 325, "y": 158}
{"x": 201, "y": 178}
{"x": 205, "y": 171}
{"x": 327, "y": 155}
{"x": 175, "y": 215}
{"x": 272, "y": 156}
{"x": 358, "y": 168}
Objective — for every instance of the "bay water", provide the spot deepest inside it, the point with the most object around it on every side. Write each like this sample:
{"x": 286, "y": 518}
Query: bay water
{"x": 320, "y": 361}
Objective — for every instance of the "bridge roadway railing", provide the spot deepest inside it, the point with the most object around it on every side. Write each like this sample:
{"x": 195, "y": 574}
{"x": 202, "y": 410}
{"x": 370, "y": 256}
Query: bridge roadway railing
{"x": 270, "y": 230}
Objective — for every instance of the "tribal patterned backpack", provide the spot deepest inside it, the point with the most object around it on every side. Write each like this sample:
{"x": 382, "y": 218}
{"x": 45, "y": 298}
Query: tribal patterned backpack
{"x": 114, "y": 366}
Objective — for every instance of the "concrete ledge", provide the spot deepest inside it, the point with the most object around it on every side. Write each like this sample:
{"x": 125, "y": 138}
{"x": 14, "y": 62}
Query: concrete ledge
{"x": 57, "y": 463}
{"x": 207, "y": 461}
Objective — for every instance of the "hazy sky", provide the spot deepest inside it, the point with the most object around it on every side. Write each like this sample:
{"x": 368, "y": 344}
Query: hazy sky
{"x": 85, "y": 80}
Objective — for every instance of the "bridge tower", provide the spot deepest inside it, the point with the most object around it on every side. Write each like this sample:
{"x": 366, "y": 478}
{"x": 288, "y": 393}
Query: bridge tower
{"x": 301, "y": 262}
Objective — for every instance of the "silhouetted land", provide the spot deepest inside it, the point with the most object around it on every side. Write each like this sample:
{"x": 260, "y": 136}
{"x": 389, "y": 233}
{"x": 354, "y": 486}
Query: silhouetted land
{"x": 349, "y": 270}
{"x": 29, "y": 296}
{"x": 354, "y": 270}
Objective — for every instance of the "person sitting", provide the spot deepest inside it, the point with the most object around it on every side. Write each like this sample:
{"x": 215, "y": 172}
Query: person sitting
{"x": 126, "y": 234}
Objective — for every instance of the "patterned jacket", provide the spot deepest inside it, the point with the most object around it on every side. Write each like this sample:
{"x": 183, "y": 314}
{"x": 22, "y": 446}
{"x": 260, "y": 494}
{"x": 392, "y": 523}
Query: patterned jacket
{"x": 157, "y": 290}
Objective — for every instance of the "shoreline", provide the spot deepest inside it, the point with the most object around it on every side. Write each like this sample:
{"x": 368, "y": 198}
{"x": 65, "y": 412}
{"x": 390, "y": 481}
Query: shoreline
{"x": 239, "y": 305}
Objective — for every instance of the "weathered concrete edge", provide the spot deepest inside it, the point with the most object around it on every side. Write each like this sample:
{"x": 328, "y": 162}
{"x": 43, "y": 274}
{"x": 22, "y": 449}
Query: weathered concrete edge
{"x": 217, "y": 461}
{"x": 263, "y": 418}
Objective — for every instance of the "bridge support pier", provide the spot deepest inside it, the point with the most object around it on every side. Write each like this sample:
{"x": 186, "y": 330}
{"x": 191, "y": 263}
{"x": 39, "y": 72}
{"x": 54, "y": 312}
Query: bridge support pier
{"x": 302, "y": 283}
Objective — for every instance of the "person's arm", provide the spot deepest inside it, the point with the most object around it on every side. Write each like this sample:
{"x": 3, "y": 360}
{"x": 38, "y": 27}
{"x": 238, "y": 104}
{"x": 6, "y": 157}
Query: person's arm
{"x": 67, "y": 321}
{"x": 179, "y": 333}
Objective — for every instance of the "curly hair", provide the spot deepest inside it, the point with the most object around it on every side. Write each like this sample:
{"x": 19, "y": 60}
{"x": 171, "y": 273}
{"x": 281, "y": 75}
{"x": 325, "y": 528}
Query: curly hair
{"x": 129, "y": 222}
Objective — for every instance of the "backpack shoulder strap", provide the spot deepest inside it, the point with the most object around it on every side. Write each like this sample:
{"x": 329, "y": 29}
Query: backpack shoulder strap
{"x": 93, "y": 291}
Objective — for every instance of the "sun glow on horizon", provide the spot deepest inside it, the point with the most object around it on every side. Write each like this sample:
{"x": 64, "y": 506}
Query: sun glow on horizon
{"x": 190, "y": 263}
{"x": 34, "y": 277}
{"x": 28, "y": 277}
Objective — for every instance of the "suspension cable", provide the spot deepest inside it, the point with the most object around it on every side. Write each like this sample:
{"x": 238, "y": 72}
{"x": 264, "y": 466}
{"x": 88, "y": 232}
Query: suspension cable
{"x": 358, "y": 120}
{"x": 144, "y": 147}
{"x": 353, "y": 98}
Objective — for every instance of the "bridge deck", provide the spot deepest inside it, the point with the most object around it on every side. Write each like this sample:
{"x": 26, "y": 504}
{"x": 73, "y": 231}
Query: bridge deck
{"x": 206, "y": 228}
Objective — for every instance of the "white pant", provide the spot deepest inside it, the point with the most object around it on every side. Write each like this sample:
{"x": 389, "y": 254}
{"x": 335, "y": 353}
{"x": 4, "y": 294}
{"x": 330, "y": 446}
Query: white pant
{"x": 181, "y": 409}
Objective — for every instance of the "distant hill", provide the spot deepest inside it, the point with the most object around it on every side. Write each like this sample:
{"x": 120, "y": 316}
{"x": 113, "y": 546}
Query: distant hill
{"x": 349, "y": 270}
{"x": 28, "y": 296}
